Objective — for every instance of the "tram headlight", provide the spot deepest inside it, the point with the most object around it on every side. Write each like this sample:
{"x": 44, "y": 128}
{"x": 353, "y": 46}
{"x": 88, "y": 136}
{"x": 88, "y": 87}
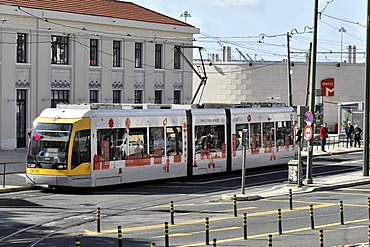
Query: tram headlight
{"x": 61, "y": 167}
{"x": 31, "y": 165}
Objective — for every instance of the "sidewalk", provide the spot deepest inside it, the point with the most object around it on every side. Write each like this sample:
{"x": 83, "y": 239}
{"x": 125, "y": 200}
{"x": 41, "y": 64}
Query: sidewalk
{"x": 320, "y": 183}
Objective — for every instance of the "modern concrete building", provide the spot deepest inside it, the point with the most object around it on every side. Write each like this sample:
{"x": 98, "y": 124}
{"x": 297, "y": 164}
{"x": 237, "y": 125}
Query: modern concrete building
{"x": 235, "y": 82}
{"x": 86, "y": 51}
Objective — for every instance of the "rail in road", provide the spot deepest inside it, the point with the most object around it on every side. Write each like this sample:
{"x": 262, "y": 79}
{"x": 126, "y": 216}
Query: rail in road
{"x": 328, "y": 218}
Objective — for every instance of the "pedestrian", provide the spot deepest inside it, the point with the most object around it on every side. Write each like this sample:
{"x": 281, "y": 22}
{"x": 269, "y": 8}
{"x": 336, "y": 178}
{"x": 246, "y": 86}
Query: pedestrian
{"x": 349, "y": 133}
{"x": 324, "y": 133}
{"x": 358, "y": 132}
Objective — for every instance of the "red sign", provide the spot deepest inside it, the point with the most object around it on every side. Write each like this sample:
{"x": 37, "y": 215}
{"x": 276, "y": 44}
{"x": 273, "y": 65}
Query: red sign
{"x": 307, "y": 133}
{"x": 327, "y": 87}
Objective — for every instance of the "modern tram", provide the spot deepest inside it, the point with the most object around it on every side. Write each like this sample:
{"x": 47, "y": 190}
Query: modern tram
{"x": 91, "y": 145}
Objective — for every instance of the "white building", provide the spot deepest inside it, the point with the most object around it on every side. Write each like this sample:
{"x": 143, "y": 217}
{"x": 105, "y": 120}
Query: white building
{"x": 235, "y": 82}
{"x": 82, "y": 51}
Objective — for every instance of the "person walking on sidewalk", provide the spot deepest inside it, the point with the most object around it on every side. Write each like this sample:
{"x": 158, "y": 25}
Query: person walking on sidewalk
{"x": 324, "y": 133}
{"x": 358, "y": 132}
{"x": 349, "y": 133}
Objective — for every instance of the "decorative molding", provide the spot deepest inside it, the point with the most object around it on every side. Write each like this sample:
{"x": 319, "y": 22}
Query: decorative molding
{"x": 177, "y": 84}
{"x": 117, "y": 82}
{"x": 94, "y": 80}
{"x": 60, "y": 79}
{"x": 139, "y": 81}
{"x": 22, "y": 79}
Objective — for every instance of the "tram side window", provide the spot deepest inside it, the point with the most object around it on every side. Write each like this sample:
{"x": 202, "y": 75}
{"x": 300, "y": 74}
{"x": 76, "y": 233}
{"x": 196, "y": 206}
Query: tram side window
{"x": 255, "y": 135}
{"x": 284, "y": 133}
{"x": 156, "y": 141}
{"x": 268, "y": 135}
{"x": 209, "y": 138}
{"x": 137, "y": 146}
{"x": 81, "y": 148}
{"x": 174, "y": 141}
{"x": 110, "y": 142}
{"x": 239, "y": 133}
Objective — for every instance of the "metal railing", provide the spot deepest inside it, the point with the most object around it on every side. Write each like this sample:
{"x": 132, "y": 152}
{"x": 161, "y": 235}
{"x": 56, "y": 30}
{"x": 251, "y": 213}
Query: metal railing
{"x": 4, "y": 167}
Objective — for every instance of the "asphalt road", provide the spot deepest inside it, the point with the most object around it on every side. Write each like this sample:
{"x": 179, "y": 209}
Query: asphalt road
{"x": 59, "y": 217}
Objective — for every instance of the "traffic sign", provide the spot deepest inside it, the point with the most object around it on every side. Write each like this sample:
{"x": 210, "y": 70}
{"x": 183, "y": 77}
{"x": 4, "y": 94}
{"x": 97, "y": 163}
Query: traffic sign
{"x": 308, "y": 118}
{"x": 307, "y": 133}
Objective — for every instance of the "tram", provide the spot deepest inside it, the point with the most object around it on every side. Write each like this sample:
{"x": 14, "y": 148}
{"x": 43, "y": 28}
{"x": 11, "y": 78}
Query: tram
{"x": 91, "y": 145}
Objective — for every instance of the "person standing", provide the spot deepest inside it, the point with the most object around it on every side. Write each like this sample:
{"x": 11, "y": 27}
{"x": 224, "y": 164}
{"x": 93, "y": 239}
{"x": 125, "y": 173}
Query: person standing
{"x": 357, "y": 138}
{"x": 324, "y": 133}
{"x": 349, "y": 133}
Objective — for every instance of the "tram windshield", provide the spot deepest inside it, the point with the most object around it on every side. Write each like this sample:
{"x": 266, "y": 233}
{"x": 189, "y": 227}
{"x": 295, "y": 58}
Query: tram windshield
{"x": 48, "y": 146}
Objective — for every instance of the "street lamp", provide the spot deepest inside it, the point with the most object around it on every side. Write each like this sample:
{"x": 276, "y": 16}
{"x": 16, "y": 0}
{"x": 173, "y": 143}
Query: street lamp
{"x": 186, "y": 14}
{"x": 341, "y": 30}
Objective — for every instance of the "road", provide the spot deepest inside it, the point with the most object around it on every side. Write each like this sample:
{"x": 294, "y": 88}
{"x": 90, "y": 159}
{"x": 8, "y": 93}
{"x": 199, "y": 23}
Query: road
{"x": 58, "y": 218}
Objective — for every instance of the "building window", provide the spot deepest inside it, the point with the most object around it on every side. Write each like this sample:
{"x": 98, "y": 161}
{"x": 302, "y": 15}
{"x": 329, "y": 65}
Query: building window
{"x": 59, "y": 49}
{"x": 21, "y": 48}
{"x": 93, "y": 52}
{"x": 158, "y": 96}
{"x": 116, "y": 53}
{"x": 59, "y": 96}
{"x": 138, "y": 94}
{"x": 177, "y": 58}
{"x": 117, "y": 96}
{"x": 177, "y": 97}
{"x": 94, "y": 96}
{"x": 138, "y": 55}
{"x": 158, "y": 56}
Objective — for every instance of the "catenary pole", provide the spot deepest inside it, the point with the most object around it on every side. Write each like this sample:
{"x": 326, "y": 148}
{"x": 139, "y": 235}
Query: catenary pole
{"x": 312, "y": 92}
{"x": 367, "y": 98}
{"x": 290, "y": 103}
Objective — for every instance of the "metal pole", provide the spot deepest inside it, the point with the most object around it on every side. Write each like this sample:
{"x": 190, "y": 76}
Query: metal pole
{"x": 244, "y": 143}
{"x": 290, "y": 102}
{"x": 312, "y": 93}
{"x": 365, "y": 169}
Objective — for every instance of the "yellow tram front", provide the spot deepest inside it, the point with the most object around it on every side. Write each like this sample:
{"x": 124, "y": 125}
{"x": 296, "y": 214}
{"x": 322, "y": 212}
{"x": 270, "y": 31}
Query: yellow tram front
{"x": 59, "y": 152}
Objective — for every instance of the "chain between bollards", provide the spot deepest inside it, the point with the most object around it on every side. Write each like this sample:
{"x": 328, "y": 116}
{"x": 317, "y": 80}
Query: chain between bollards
{"x": 290, "y": 199}
{"x": 311, "y": 216}
{"x": 119, "y": 236}
{"x": 321, "y": 238}
{"x": 166, "y": 237}
{"x": 341, "y": 212}
{"x": 207, "y": 230}
{"x": 172, "y": 213}
{"x": 235, "y": 208}
{"x": 279, "y": 220}
{"x": 245, "y": 226}
{"x": 77, "y": 243}
{"x": 269, "y": 240}
{"x": 98, "y": 220}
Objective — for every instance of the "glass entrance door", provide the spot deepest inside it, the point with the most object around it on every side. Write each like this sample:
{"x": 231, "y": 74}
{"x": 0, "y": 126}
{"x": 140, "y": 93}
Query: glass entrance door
{"x": 21, "y": 118}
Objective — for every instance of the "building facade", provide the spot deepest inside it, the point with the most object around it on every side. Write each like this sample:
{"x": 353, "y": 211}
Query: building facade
{"x": 235, "y": 82}
{"x": 86, "y": 51}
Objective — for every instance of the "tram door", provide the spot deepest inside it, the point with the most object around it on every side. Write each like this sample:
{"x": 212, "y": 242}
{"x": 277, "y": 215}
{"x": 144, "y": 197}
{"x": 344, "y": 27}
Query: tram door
{"x": 21, "y": 118}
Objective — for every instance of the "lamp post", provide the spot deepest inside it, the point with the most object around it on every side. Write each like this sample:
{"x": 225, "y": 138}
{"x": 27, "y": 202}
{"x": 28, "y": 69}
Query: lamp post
{"x": 185, "y": 14}
{"x": 341, "y": 30}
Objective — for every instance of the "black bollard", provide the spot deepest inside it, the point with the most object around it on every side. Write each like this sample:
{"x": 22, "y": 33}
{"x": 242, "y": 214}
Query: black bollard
{"x": 214, "y": 242}
{"x": 245, "y": 225}
{"x": 279, "y": 220}
{"x": 153, "y": 245}
{"x": 312, "y": 219}
{"x": 368, "y": 205}
{"x": 119, "y": 236}
{"x": 368, "y": 234}
{"x": 341, "y": 212}
{"x": 98, "y": 220}
{"x": 207, "y": 230}
{"x": 77, "y": 243}
{"x": 290, "y": 199}
{"x": 321, "y": 238}
{"x": 269, "y": 240}
{"x": 235, "y": 208}
{"x": 172, "y": 213}
{"x": 166, "y": 237}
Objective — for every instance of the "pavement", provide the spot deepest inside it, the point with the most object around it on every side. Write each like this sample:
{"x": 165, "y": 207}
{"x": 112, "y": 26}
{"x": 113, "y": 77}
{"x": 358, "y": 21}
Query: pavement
{"x": 349, "y": 179}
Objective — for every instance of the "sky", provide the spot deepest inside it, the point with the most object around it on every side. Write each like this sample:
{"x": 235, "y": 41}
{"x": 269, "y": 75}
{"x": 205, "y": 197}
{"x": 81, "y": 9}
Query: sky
{"x": 258, "y": 28}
